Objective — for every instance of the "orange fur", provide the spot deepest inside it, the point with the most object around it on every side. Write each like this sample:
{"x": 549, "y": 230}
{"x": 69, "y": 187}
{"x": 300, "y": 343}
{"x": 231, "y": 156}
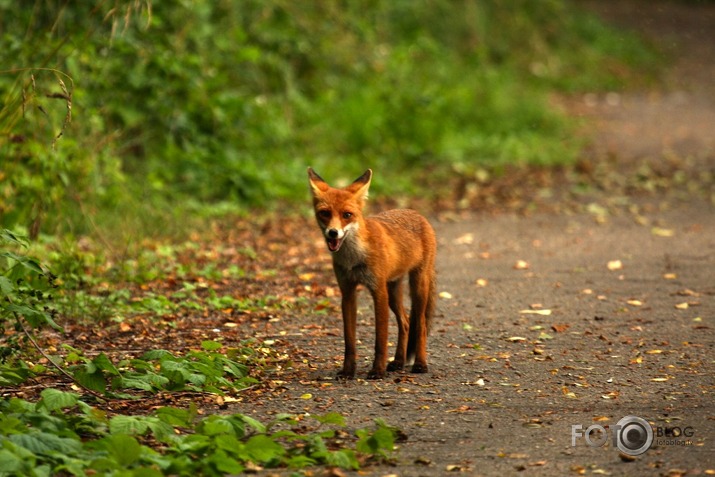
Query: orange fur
{"x": 378, "y": 252}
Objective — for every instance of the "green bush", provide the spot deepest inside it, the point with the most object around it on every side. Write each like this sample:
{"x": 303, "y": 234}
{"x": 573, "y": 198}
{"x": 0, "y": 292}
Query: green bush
{"x": 194, "y": 102}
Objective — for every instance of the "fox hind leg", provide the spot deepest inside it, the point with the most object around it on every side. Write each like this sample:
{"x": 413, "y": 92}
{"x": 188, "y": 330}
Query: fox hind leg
{"x": 421, "y": 290}
{"x": 394, "y": 289}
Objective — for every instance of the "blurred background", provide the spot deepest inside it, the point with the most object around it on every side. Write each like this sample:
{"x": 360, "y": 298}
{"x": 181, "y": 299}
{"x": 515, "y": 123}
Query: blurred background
{"x": 124, "y": 115}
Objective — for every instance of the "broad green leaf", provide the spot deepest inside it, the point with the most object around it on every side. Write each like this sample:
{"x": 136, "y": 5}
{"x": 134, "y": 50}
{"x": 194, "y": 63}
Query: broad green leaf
{"x": 44, "y": 442}
{"x": 54, "y": 399}
{"x": 131, "y": 425}
{"x": 261, "y": 448}
{"x": 210, "y": 345}
{"x": 226, "y": 464}
{"x": 91, "y": 380}
{"x": 258, "y": 426}
{"x": 157, "y": 355}
{"x": 103, "y": 363}
{"x": 12, "y": 237}
{"x": 174, "y": 416}
{"x": 216, "y": 425}
{"x": 331, "y": 418}
{"x": 124, "y": 448}
{"x": 344, "y": 458}
{"x": 10, "y": 463}
{"x": 7, "y": 288}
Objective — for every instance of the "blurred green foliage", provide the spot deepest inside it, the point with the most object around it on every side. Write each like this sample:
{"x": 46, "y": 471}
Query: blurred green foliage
{"x": 134, "y": 106}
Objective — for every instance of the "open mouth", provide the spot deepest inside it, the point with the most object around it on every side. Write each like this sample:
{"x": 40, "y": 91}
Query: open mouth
{"x": 334, "y": 243}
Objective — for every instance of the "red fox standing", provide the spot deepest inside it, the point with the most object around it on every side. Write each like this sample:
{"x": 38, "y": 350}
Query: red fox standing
{"x": 377, "y": 252}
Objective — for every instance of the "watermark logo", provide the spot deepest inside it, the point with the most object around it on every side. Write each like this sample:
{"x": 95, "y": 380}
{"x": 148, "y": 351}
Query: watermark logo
{"x": 632, "y": 435}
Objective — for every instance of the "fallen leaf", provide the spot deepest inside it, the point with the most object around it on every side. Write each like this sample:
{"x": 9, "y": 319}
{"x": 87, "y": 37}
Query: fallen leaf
{"x": 600, "y": 472}
{"x": 687, "y": 292}
{"x": 514, "y": 339}
{"x": 635, "y": 302}
{"x": 627, "y": 457}
{"x": 560, "y": 328}
{"x": 465, "y": 239}
{"x": 615, "y": 265}
{"x": 544, "y": 312}
{"x": 654, "y": 351}
{"x": 445, "y": 295}
{"x": 670, "y": 276}
{"x": 521, "y": 265}
{"x": 481, "y": 282}
{"x": 306, "y": 396}
{"x": 454, "y": 468}
{"x": 659, "y": 380}
{"x": 661, "y": 232}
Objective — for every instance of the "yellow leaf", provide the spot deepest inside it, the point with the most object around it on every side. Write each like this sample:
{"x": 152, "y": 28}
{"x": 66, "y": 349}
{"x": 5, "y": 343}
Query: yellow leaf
{"x": 544, "y": 312}
{"x": 670, "y": 276}
{"x": 307, "y": 396}
{"x": 521, "y": 265}
{"x": 514, "y": 339}
{"x": 445, "y": 295}
{"x": 465, "y": 239}
{"x": 682, "y": 306}
{"x": 661, "y": 232}
{"x": 615, "y": 265}
{"x": 659, "y": 380}
{"x": 654, "y": 351}
{"x": 481, "y": 282}
{"x": 635, "y": 302}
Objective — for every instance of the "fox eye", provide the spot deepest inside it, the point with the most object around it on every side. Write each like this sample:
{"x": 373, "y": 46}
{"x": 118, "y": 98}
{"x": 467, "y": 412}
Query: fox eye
{"x": 347, "y": 215}
{"x": 324, "y": 214}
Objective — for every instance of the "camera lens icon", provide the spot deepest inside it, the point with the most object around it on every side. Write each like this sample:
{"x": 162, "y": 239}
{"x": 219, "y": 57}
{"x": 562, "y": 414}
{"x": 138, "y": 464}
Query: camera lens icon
{"x": 634, "y": 435}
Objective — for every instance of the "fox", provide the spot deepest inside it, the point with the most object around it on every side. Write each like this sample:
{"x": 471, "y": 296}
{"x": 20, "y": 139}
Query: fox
{"x": 377, "y": 252}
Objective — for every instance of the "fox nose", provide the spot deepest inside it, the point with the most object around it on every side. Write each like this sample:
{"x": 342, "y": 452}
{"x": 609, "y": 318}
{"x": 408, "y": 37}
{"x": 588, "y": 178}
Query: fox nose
{"x": 332, "y": 233}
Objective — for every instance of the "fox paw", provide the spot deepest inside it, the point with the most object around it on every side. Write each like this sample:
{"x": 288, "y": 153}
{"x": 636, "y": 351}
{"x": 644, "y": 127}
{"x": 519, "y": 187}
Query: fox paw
{"x": 419, "y": 368}
{"x": 375, "y": 374}
{"x": 395, "y": 366}
{"x": 346, "y": 374}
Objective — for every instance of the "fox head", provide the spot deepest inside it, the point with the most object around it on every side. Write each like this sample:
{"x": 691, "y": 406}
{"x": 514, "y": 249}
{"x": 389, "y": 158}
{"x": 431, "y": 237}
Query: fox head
{"x": 339, "y": 211}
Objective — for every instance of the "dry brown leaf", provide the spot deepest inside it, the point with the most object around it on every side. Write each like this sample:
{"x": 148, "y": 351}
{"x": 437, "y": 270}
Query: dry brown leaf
{"x": 560, "y": 328}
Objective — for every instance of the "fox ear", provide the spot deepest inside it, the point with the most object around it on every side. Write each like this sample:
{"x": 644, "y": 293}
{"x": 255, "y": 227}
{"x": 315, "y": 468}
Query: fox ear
{"x": 361, "y": 185}
{"x": 317, "y": 184}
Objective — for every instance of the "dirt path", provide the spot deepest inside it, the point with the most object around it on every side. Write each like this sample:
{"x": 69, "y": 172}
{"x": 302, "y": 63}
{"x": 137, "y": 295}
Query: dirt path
{"x": 551, "y": 321}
